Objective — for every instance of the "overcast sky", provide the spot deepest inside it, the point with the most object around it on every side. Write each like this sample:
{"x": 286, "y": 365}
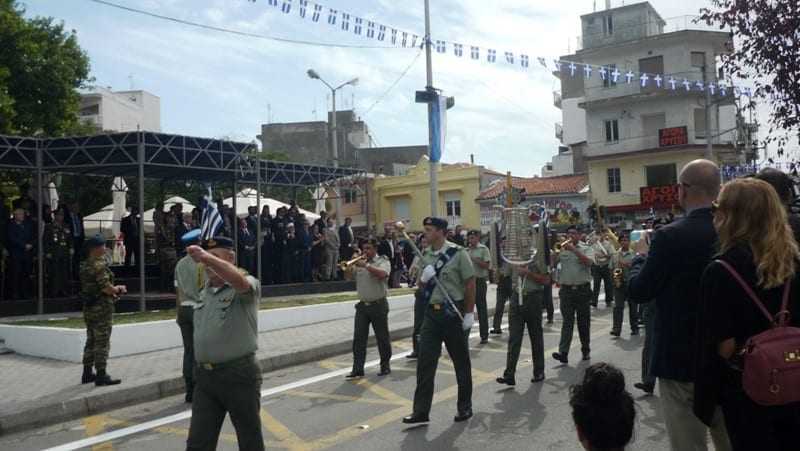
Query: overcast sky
{"x": 216, "y": 84}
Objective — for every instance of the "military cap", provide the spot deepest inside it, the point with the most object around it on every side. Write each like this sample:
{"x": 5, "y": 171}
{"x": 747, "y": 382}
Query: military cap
{"x": 191, "y": 237}
{"x": 218, "y": 242}
{"x": 95, "y": 241}
{"x": 439, "y": 223}
{"x": 474, "y": 232}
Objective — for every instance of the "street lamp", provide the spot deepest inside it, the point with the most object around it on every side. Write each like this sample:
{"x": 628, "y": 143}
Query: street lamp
{"x": 312, "y": 74}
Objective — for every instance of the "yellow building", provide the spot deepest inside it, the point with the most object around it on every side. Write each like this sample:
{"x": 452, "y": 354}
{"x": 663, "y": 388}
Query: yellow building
{"x": 407, "y": 197}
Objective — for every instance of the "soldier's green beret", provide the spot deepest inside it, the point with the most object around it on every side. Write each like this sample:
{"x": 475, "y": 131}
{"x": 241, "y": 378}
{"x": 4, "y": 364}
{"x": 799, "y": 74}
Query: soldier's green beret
{"x": 95, "y": 241}
{"x": 439, "y": 223}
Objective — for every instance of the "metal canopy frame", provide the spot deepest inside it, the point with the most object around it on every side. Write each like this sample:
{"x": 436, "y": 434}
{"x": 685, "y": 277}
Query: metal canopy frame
{"x": 148, "y": 155}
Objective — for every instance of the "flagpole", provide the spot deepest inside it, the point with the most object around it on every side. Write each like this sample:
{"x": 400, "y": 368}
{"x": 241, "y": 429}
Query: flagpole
{"x": 433, "y": 166}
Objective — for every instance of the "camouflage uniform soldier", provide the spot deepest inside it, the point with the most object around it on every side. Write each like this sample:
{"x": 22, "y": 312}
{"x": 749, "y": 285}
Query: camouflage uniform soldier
{"x": 58, "y": 252}
{"x": 99, "y": 294}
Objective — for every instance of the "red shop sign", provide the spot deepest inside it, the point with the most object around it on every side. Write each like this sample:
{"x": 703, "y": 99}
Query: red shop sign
{"x": 675, "y": 136}
{"x": 659, "y": 196}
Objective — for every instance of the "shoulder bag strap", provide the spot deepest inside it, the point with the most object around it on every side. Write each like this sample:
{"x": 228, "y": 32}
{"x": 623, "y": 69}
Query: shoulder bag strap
{"x": 783, "y": 317}
{"x": 749, "y": 290}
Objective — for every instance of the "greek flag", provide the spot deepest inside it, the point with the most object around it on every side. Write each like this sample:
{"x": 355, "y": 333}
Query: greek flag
{"x": 211, "y": 220}
{"x": 439, "y": 128}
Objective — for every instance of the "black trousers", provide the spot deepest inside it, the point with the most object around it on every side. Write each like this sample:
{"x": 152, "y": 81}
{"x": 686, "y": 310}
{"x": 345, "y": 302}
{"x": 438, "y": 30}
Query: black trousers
{"x": 503, "y": 294}
{"x": 419, "y": 316}
{"x": 620, "y": 298}
{"x": 77, "y": 244}
{"x": 131, "y": 250}
{"x": 20, "y": 269}
{"x": 186, "y": 323}
{"x": 528, "y": 314}
{"x": 602, "y": 274}
{"x": 480, "y": 306}
{"x": 377, "y": 314}
{"x": 235, "y": 390}
{"x": 649, "y": 320}
{"x": 575, "y": 304}
{"x": 548, "y": 302}
{"x": 438, "y": 327}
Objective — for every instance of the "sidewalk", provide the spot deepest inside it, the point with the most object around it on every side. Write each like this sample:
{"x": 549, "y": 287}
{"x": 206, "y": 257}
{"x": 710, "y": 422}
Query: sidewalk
{"x": 36, "y": 392}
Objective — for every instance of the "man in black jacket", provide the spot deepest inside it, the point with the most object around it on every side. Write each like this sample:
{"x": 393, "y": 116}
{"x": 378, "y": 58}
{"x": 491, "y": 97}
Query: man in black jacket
{"x": 669, "y": 271}
{"x": 346, "y": 240}
{"x": 130, "y": 232}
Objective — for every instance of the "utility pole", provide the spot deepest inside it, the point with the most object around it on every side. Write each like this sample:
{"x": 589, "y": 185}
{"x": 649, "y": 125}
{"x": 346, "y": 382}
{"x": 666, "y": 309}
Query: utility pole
{"x": 709, "y": 153}
{"x": 434, "y": 176}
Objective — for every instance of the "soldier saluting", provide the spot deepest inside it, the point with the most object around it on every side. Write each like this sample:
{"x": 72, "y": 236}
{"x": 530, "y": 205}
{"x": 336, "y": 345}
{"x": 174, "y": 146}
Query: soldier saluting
{"x": 99, "y": 295}
{"x": 451, "y": 266}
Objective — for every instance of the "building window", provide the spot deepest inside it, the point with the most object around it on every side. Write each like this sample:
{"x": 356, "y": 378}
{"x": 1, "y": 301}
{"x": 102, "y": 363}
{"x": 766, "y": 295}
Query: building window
{"x": 609, "y": 82}
{"x": 400, "y": 208}
{"x": 614, "y": 180}
{"x": 453, "y": 208}
{"x": 612, "y": 131}
{"x": 608, "y": 25}
{"x": 699, "y": 123}
{"x": 651, "y": 66}
{"x": 90, "y": 110}
{"x": 698, "y": 59}
{"x": 661, "y": 175}
{"x": 350, "y": 196}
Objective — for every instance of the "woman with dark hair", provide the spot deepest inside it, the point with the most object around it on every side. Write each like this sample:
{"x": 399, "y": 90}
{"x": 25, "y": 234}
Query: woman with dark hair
{"x": 756, "y": 242}
{"x": 602, "y": 409}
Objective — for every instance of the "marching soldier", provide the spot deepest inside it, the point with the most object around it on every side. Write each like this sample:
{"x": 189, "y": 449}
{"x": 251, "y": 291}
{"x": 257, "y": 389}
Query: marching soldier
{"x": 601, "y": 269}
{"x": 534, "y": 279}
{"x": 227, "y": 374}
{"x": 481, "y": 261}
{"x": 58, "y": 252}
{"x": 622, "y": 264}
{"x": 450, "y": 264}
{"x": 576, "y": 258}
{"x": 99, "y": 295}
{"x": 190, "y": 277}
{"x": 371, "y": 274}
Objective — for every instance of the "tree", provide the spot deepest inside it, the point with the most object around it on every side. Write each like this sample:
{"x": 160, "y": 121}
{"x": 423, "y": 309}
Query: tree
{"x": 767, "y": 52}
{"x": 41, "y": 69}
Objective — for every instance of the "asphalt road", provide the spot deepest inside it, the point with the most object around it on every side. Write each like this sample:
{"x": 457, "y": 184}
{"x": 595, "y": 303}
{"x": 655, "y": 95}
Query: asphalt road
{"x": 312, "y": 406}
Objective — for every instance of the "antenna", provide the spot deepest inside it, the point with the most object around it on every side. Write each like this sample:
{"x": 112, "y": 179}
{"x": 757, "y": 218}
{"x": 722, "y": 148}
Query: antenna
{"x": 269, "y": 113}
{"x": 130, "y": 80}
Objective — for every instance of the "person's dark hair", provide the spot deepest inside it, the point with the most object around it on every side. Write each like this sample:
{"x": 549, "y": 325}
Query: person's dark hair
{"x": 779, "y": 180}
{"x": 572, "y": 227}
{"x": 371, "y": 241}
{"x": 602, "y": 409}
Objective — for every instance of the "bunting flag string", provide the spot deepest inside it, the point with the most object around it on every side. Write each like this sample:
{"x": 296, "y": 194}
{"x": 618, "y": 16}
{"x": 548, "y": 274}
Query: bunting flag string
{"x": 371, "y": 29}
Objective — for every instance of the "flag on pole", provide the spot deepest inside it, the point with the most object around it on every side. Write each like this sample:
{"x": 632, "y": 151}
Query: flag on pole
{"x": 211, "y": 220}
{"x": 438, "y": 127}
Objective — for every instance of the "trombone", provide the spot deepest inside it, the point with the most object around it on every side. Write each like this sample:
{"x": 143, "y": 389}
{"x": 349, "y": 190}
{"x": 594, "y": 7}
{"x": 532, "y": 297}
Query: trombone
{"x": 348, "y": 265}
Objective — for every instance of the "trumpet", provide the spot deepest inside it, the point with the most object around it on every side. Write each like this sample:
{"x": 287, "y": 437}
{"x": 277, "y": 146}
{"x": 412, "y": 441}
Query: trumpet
{"x": 348, "y": 265}
{"x": 558, "y": 246}
{"x": 616, "y": 276}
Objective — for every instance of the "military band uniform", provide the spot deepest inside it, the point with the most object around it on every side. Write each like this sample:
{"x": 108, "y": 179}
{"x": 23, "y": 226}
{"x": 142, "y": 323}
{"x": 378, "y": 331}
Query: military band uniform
{"x": 98, "y": 311}
{"x": 601, "y": 271}
{"x": 373, "y": 308}
{"x": 575, "y": 295}
{"x": 481, "y": 252}
{"x": 503, "y": 295}
{"x": 622, "y": 260}
{"x": 528, "y": 314}
{"x": 440, "y": 326}
{"x": 190, "y": 278}
{"x": 227, "y": 376}
{"x": 58, "y": 252}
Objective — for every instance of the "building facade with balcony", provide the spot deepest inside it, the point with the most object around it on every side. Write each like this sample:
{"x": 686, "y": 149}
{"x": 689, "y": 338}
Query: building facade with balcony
{"x": 121, "y": 111}
{"x": 635, "y": 140}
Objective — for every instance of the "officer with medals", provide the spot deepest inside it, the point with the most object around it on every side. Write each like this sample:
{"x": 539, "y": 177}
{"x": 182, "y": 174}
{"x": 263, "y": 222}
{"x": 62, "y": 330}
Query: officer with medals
{"x": 58, "y": 254}
{"x": 451, "y": 266}
{"x": 372, "y": 276}
{"x": 190, "y": 277}
{"x": 227, "y": 375}
{"x": 99, "y": 294}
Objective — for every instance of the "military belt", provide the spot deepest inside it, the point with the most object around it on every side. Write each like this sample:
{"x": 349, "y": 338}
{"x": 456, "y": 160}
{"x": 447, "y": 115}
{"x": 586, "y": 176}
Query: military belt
{"x": 373, "y": 302}
{"x": 440, "y": 306}
{"x": 218, "y": 366}
{"x": 575, "y": 287}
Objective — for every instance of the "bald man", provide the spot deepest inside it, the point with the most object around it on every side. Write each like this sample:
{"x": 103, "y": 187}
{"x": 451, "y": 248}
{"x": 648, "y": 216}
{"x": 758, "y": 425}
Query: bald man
{"x": 669, "y": 272}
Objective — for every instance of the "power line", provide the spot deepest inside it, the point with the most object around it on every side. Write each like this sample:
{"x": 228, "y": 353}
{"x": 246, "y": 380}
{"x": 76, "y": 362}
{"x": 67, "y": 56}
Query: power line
{"x": 238, "y": 32}
{"x": 391, "y": 87}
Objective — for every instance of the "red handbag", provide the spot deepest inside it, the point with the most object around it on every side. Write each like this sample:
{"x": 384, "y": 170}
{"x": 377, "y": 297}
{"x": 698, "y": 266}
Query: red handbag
{"x": 771, "y": 359}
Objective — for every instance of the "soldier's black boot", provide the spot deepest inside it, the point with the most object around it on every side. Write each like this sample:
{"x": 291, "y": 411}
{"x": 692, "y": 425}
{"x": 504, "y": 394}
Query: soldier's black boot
{"x": 88, "y": 375}
{"x": 104, "y": 379}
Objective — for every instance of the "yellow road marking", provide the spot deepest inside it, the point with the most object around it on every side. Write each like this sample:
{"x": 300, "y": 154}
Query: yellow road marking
{"x": 184, "y": 432}
{"x": 286, "y": 438}
{"x": 332, "y": 365}
{"x": 384, "y": 393}
{"x": 414, "y": 370}
{"x": 334, "y": 397}
{"x": 95, "y": 425}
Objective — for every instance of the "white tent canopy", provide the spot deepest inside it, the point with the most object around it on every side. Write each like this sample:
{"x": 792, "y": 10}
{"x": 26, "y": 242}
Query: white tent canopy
{"x": 148, "y": 215}
{"x": 247, "y": 198}
{"x": 106, "y": 221}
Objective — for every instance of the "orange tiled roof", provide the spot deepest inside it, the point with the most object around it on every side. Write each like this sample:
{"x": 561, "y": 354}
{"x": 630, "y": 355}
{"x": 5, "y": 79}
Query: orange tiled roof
{"x": 564, "y": 184}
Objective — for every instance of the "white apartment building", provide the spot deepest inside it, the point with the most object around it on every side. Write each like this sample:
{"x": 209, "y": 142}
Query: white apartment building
{"x": 121, "y": 111}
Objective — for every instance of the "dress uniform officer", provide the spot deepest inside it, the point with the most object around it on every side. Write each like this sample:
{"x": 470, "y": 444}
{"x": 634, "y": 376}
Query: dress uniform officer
{"x": 622, "y": 264}
{"x": 372, "y": 277}
{"x": 99, "y": 294}
{"x": 534, "y": 278}
{"x": 190, "y": 278}
{"x": 58, "y": 252}
{"x": 576, "y": 260}
{"x": 481, "y": 261}
{"x": 450, "y": 264}
{"x": 227, "y": 376}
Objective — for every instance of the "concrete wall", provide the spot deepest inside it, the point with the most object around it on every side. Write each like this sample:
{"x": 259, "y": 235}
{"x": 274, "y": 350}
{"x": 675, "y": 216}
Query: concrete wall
{"x": 573, "y": 121}
{"x": 382, "y": 160}
{"x": 122, "y": 111}
{"x": 628, "y": 23}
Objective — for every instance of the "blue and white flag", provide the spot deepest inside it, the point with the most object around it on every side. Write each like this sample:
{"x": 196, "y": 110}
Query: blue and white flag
{"x": 524, "y": 60}
{"x": 475, "y": 52}
{"x": 438, "y": 127}
{"x": 303, "y": 8}
{"x": 211, "y": 220}
{"x": 381, "y": 32}
{"x": 287, "y": 6}
{"x": 491, "y": 56}
{"x": 317, "y": 11}
{"x": 332, "y": 14}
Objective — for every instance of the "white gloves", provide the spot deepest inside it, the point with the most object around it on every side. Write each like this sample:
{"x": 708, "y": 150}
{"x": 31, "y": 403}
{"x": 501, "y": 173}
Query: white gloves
{"x": 427, "y": 274}
{"x": 469, "y": 320}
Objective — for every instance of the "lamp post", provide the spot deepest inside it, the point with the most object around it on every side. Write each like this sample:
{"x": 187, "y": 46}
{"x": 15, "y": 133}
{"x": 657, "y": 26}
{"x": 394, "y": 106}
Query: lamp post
{"x": 312, "y": 74}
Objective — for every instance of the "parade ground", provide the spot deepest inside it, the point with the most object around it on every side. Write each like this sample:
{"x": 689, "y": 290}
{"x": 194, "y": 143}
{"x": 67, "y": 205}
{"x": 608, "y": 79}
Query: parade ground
{"x": 311, "y": 406}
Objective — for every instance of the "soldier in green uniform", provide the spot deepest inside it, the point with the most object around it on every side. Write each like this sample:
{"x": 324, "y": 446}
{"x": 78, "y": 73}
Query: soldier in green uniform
{"x": 481, "y": 261}
{"x": 99, "y": 295}
{"x": 372, "y": 276}
{"x": 190, "y": 277}
{"x": 450, "y": 265}
{"x": 576, "y": 259}
{"x": 529, "y": 313}
{"x": 58, "y": 252}
{"x": 227, "y": 375}
{"x": 621, "y": 261}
